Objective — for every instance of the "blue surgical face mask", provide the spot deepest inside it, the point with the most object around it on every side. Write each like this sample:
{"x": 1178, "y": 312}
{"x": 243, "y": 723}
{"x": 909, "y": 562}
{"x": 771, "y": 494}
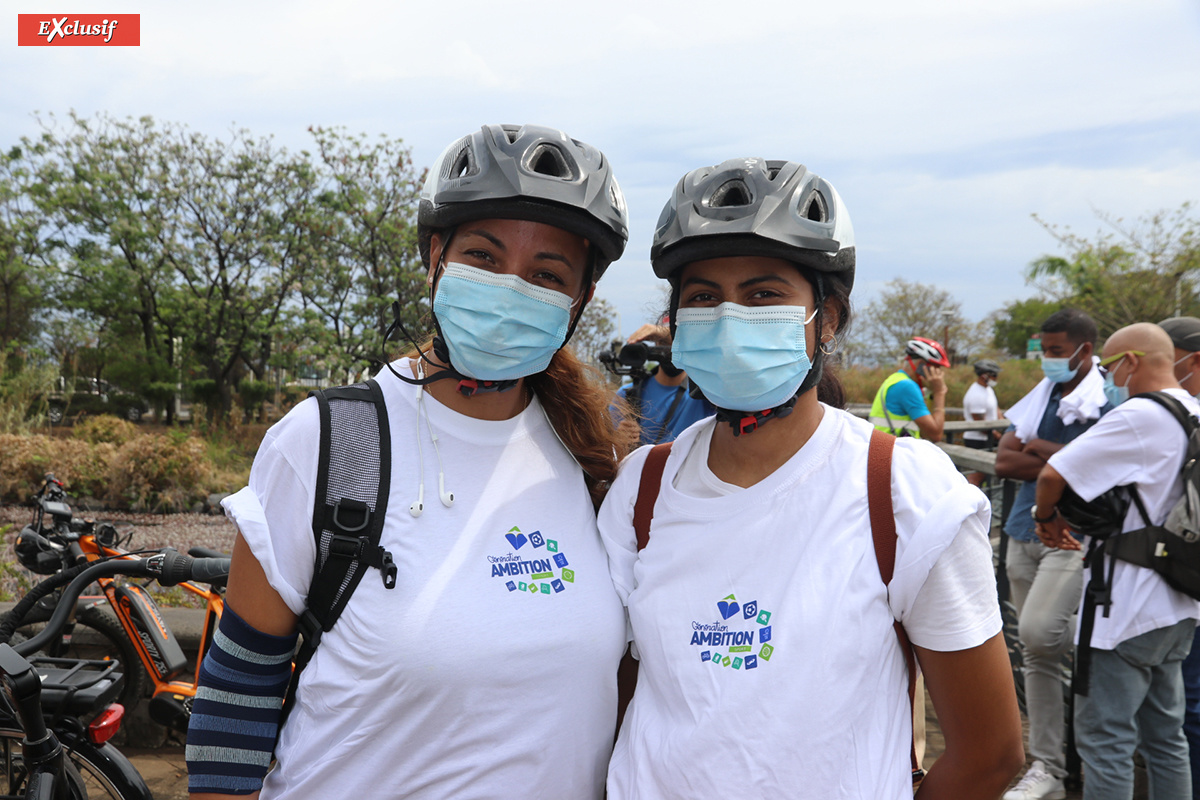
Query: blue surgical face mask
{"x": 743, "y": 358}
{"x": 1059, "y": 369}
{"x": 499, "y": 327}
{"x": 1115, "y": 394}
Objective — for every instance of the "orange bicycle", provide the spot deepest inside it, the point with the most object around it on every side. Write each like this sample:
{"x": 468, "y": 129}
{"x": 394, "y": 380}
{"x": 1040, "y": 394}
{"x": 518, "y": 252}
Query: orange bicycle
{"x": 145, "y": 644}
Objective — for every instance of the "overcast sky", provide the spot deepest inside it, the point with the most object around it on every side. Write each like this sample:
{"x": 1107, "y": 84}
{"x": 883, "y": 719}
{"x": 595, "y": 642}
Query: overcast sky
{"x": 943, "y": 125}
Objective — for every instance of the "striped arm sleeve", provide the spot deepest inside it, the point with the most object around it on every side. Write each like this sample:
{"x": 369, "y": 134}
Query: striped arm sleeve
{"x": 235, "y": 715}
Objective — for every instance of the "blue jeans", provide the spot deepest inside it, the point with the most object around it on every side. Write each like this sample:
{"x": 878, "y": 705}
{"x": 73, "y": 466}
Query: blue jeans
{"x": 1191, "y": 716}
{"x": 1135, "y": 701}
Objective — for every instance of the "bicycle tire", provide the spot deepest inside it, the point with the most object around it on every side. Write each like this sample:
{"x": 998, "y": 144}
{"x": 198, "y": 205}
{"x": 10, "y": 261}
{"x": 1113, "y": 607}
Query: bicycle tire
{"x": 16, "y": 779}
{"x": 98, "y": 635}
{"x": 91, "y": 776}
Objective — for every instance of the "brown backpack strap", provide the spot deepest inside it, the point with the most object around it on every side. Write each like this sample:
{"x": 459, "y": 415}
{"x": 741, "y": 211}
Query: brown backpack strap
{"x": 643, "y": 508}
{"x": 883, "y": 533}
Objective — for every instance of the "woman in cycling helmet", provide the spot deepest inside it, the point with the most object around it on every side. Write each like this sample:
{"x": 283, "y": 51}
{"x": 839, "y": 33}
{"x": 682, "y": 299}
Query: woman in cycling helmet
{"x": 489, "y": 667}
{"x": 770, "y": 665}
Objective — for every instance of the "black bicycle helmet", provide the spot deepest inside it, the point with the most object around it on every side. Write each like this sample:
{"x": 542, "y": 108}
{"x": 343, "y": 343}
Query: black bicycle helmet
{"x": 755, "y": 207}
{"x": 526, "y": 172}
{"x": 986, "y": 366}
{"x": 1101, "y": 517}
{"x": 36, "y": 553}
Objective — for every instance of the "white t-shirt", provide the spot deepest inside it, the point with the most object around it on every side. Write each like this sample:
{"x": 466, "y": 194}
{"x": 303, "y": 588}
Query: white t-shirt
{"x": 769, "y": 665}
{"x": 980, "y": 400}
{"x": 490, "y": 669}
{"x": 1137, "y": 442}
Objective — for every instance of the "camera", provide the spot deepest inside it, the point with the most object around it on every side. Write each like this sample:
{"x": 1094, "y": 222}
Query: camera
{"x": 630, "y": 359}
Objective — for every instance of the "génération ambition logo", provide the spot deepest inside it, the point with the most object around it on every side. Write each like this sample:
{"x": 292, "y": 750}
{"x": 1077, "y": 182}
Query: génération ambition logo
{"x": 79, "y": 30}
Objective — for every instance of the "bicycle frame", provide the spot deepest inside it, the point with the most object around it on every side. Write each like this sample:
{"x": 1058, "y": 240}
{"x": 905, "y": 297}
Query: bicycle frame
{"x": 153, "y": 640}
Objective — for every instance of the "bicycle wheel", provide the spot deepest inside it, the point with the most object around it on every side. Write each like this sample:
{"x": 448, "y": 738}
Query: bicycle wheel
{"x": 90, "y": 776}
{"x": 98, "y": 635}
{"x": 16, "y": 778}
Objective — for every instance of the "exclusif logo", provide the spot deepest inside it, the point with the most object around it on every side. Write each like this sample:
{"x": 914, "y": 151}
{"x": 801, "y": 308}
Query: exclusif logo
{"x": 79, "y": 30}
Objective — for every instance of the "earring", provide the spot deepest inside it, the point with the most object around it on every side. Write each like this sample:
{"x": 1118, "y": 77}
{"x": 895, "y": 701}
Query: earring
{"x": 829, "y": 346}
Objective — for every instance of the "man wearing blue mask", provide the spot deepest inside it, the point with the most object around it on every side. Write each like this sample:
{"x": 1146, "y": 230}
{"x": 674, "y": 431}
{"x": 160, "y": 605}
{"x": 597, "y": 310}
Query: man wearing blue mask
{"x": 1134, "y": 698}
{"x": 1046, "y": 583}
{"x": 1185, "y": 335}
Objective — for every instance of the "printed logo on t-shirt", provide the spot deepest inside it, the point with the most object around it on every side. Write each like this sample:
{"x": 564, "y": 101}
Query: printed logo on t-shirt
{"x": 739, "y": 638}
{"x": 541, "y": 569}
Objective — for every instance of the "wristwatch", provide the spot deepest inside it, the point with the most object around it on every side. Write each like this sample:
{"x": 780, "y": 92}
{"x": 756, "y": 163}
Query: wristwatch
{"x": 1042, "y": 520}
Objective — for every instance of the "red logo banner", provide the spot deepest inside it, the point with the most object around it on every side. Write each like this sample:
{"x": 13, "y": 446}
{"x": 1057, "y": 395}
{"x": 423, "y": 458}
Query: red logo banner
{"x": 79, "y": 30}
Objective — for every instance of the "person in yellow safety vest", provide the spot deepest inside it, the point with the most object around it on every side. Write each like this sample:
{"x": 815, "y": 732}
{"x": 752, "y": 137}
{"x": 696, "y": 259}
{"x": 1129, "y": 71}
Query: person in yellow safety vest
{"x": 899, "y": 407}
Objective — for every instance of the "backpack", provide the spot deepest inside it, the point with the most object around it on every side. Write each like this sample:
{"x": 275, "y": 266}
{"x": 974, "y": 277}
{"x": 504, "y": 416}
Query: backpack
{"x": 1171, "y": 549}
{"x": 883, "y": 536}
{"x": 353, "y": 481}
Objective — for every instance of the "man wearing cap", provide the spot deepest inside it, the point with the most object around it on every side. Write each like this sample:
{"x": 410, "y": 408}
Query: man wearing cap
{"x": 1185, "y": 335}
{"x": 979, "y": 403}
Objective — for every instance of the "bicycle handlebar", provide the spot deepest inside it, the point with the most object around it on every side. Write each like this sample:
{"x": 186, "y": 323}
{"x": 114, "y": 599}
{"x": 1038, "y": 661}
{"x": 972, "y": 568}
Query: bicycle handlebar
{"x": 169, "y": 567}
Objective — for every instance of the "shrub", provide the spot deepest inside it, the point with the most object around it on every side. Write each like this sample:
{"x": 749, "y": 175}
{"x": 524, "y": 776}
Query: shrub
{"x": 105, "y": 428}
{"x": 158, "y": 473}
{"x": 24, "y": 461}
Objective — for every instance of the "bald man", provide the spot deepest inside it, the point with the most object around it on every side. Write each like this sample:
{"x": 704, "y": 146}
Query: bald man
{"x": 1135, "y": 697}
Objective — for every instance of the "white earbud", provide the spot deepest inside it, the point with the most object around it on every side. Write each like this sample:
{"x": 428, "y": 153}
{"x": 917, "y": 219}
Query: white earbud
{"x": 447, "y": 497}
{"x": 419, "y": 506}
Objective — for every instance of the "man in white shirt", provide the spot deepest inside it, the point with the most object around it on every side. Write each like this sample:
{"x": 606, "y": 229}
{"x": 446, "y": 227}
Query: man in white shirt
{"x": 979, "y": 403}
{"x": 1135, "y": 697}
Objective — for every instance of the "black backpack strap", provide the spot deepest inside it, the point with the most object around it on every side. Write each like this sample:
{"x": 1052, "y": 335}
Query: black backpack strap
{"x": 353, "y": 481}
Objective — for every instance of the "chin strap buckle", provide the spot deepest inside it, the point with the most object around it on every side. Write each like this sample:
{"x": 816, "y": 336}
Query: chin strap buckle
{"x": 469, "y": 387}
{"x": 749, "y": 422}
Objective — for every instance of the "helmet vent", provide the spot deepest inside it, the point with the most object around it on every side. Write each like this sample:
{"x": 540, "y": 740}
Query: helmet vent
{"x": 546, "y": 159}
{"x": 772, "y": 172}
{"x": 462, "y": 164}
{"x": 731, "y": 193}
{"x": 511, "y": 133}
{"x": 817, "y": 211}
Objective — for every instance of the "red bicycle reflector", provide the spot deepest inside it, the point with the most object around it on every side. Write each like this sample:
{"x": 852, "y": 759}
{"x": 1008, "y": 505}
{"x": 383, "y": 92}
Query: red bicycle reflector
{"x": 104, "y": 726}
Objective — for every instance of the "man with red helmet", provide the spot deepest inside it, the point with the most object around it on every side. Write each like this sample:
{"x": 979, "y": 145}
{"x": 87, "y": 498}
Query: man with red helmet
{"x": 899, "y": 407}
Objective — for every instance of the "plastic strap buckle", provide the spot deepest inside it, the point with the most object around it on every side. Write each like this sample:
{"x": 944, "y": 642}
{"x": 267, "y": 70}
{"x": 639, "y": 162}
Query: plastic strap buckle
{"x": 310, "y": 629}
{"x": 469, "y": 387}
{"x": 350, "y": 516}
{"x": 746, "y": 425}
{"x": 348, "y": 546}
{"x": 388, "y": 568}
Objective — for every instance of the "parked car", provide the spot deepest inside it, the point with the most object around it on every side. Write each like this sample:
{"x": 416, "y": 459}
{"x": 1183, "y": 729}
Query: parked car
{"x": 92, "y": 396}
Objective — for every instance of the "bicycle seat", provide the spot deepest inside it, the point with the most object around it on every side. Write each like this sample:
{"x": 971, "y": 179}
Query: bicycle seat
{"x": 75, "y": 687}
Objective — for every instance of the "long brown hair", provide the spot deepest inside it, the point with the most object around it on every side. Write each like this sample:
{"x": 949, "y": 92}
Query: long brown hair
{"x": 583, "y": 411}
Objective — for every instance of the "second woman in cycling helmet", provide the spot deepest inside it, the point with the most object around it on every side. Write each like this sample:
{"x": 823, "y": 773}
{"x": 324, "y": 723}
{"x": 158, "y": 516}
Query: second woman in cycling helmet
{"x": 489, "y": 668}
{"x": 769, "y": 661}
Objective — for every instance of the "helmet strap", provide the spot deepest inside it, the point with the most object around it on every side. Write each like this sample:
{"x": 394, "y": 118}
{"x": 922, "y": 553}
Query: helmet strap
{"x": 750, "y": 421}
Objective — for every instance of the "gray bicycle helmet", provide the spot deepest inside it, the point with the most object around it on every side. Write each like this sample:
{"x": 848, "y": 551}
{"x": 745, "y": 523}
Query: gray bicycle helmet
{"x": 526, "y": 172}
{"x": 754, "y": 207}
{"x": 985, "y": 366}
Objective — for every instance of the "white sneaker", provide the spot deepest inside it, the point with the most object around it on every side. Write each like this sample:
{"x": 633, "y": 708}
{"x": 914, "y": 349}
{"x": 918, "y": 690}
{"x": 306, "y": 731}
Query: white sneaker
{"x": 1037, "y": 785}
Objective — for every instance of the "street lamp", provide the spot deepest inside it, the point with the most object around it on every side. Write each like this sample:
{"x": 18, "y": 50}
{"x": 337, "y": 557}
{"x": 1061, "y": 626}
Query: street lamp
{"x": 947, "y": 316}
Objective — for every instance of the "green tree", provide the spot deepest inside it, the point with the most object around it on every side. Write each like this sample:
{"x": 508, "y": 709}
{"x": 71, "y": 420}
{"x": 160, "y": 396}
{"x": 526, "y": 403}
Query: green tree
{"x": 1017, "y": 322}
{"x": 23, "y": 287}
{"x": 905, "y": 309}
{"x": 1128, "y": 272}
{"x": 595, "y": 331}
{"x": 177, "y": 235}
{"x": 361, "y": 250}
